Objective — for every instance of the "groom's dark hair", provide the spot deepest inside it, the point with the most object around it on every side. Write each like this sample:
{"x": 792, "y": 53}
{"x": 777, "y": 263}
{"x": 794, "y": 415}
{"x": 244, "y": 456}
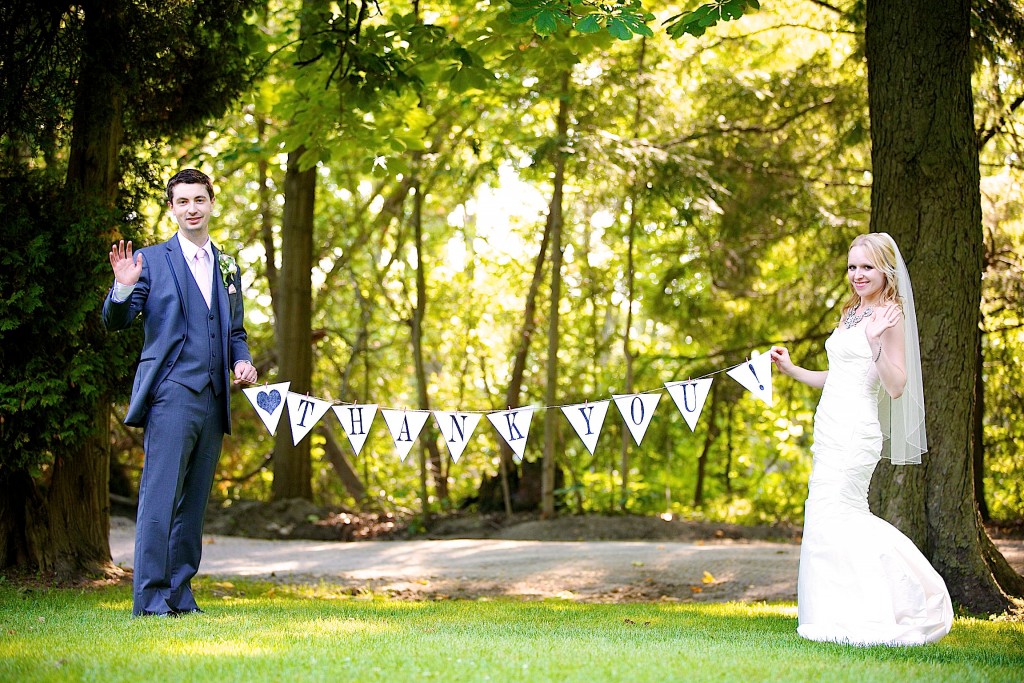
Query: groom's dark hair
{"x": 189, "y": 176}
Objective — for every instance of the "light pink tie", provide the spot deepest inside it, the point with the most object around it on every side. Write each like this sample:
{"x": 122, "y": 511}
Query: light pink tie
{"x": 203, "y": 275}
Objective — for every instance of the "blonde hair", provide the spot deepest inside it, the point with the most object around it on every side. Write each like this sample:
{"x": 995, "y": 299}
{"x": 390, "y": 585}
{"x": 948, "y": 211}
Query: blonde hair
{"x": 882, "y": 255}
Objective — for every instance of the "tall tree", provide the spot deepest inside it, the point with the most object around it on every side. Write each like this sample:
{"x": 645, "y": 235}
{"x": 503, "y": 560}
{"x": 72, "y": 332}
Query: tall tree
{"x": 926, "y": 193}
{"x": 557, "y": 250}
{"x": 108, "y": 69}
{"x": 292, "y": 466}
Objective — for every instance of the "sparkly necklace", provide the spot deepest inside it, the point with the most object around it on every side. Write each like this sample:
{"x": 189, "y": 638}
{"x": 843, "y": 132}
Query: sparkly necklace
{"x": 853, "y": 320}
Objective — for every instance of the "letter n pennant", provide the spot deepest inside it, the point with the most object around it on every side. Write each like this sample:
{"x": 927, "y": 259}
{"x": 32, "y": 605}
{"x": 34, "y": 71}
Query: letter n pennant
{"x": 404, "y": 426}
{"x": 304, "y": 412}
{"x": 587, "y": 419}
{"x": 356, "y": 420}
{"x": 514, "y": 427}
{"x": 456, "y": 428}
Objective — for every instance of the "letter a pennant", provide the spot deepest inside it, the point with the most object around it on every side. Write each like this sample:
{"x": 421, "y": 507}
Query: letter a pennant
{"x": 587, "y": 419}
{"x": 690, "y": 397}
{"x": 356, "y": 420}
{"x": 514, "y": 433}
{"x": 304, "y": 412}
{"x": 404, "y": 426}
{"x": 456, "y": 428}
{"x": 637, "y": 411}
{"x": 268, "y": 401}
{"x": 756, "y": 376}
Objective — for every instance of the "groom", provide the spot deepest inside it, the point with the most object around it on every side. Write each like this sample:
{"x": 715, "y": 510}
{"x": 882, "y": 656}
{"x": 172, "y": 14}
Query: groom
{"x": 190, "y": 299}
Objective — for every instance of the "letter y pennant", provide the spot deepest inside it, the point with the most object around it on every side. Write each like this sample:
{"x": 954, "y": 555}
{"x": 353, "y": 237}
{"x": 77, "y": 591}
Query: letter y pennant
{"x": 587, "y": 419}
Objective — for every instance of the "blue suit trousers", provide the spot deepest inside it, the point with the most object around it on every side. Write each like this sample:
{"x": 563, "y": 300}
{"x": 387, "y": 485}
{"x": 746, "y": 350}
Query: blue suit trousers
{"x": 184, "y": 432}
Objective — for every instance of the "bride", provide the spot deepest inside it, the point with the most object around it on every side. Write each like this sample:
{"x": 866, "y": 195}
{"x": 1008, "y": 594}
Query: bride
{"x": 861, "y": 581}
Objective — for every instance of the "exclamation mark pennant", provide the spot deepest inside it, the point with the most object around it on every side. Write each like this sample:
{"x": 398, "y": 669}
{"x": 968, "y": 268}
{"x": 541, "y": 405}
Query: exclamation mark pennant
{"x": 756, "y": 376}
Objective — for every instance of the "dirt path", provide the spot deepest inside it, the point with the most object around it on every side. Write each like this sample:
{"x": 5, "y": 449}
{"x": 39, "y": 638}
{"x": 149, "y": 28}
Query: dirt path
{"x": 597, "y": 571}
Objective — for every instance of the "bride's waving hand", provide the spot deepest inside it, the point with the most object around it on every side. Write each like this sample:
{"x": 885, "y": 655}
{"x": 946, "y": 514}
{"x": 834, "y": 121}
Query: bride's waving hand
{"x": 885, "y": 333}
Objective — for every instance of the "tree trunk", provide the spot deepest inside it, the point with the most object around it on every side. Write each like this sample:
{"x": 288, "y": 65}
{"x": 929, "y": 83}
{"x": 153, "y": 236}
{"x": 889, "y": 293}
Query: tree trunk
{"x": 292, "y": 467}
{"x": 70, "y": 534}
{"x": 978, "y": 431}
{"x": 431, "y": 453}
{"x": 68, "y": 521}
{"x": 265, "y": 194}
{"x": 551, "y": 388}
{"x": 926, "y": 193}
{"x": 627, "y": 351}
{"x": 709, "y": 439}
{"x": 342, "y": 466}
{"x": 636, "y": 186}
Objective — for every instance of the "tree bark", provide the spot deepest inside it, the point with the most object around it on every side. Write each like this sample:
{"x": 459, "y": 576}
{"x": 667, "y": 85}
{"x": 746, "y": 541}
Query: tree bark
{"x": 342, "y": 465}
{"x": 68, "y": 522}
{"x": 551, "y": 388}
{"x": 70, "y": 535}
{"x": 430, "y": 452}
{"x": 978, "y": 431}
{"x": 292, "y": 466}
{"x": 926, "y": 194}
{"x": 709, "y": 439}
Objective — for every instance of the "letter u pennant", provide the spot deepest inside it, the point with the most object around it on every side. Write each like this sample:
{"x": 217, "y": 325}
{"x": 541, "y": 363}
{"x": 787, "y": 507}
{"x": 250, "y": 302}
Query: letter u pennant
{"x": 514, "y": 427}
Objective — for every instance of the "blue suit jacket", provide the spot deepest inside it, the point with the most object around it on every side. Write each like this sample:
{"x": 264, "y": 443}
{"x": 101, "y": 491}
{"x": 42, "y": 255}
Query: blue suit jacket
{"x": 160, "y": 296}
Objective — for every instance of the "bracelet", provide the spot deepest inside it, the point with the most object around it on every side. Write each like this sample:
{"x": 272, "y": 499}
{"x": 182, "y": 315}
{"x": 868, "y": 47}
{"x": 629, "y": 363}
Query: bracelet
{"x": 879, "y": 354}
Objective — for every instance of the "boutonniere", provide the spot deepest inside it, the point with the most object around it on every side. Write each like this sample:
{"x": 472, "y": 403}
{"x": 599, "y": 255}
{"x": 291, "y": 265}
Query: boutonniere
{"x": 228, "y": 267}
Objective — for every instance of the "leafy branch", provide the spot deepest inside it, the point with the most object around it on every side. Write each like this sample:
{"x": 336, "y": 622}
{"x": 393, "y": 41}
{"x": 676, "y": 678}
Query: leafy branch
{"x": 622, "y": 18}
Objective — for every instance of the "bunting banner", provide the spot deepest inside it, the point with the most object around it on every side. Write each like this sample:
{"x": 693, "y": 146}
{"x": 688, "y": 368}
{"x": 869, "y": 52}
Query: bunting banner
{"x": 690, "y": 397}
{"x": 513, "y": 425}
{"x": 355, "y": 420}
{"x": 268, "y": 400}
{"x": 456, "y": 428}
{"x": 304, "y": 412}
{"x": 405, "y": 426}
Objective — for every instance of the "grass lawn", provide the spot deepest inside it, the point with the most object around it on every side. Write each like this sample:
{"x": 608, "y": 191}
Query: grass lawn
{"x": 266, "y": 632}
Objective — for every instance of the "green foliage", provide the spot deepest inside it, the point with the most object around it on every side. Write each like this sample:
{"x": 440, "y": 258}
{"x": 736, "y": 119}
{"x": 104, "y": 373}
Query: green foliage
{"x": 624, "y": 19}
{"x": 56, "y": 360}
{"x": 181, "y": 63}
{"x": 271, "y": 632}
{"x": 697, "y": 21}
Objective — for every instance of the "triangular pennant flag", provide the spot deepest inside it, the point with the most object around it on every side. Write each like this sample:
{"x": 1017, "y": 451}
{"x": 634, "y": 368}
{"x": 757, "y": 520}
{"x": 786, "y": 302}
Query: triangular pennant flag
{"x": 356, "y": 419}
{"x": 756, "y": 376}
{"x": 637, "y": 411}
{"x": 304, "y": 412}
{"x": 268, "y": 400}
{"x": 587, "y": 419}
{"x": 690, "y": 397}
{"x": 514, "y": 427}
{"x": 456, "y": 428}
{"x": 404, "y": 426}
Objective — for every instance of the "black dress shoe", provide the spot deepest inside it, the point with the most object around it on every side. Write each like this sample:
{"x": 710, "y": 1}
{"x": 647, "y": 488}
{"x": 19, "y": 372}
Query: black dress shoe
{"x": 183, "y": 612}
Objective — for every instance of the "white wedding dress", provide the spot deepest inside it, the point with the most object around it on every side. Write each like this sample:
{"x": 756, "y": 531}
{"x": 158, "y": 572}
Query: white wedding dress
{"x": 861, "y": 581}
